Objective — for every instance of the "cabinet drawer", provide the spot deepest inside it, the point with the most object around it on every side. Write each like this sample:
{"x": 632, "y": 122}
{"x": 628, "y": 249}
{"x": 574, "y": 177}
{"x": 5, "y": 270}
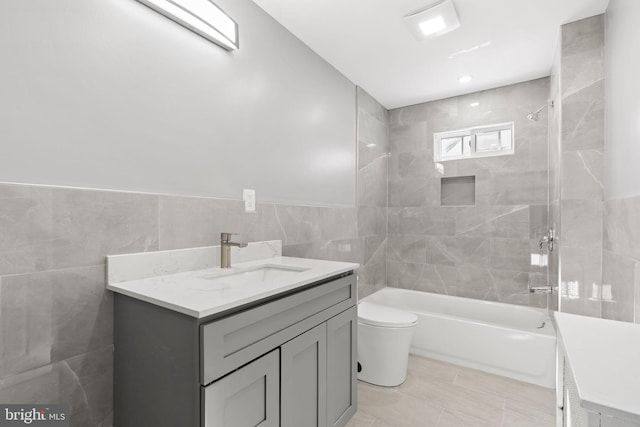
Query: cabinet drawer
{"x": 233, "y": 341}
{"x": 248, "y": 397}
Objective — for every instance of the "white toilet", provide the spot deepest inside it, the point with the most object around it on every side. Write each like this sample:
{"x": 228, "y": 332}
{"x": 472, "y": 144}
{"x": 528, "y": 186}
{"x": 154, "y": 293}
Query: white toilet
{"x": 384, "y": 338}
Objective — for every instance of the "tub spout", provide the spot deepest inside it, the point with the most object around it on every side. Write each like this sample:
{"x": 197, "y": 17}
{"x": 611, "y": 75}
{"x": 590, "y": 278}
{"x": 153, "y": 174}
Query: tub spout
{"x": 540, "y": 289}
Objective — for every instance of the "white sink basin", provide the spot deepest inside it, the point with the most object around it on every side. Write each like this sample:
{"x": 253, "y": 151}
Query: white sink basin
{"x": 256, "y": 273}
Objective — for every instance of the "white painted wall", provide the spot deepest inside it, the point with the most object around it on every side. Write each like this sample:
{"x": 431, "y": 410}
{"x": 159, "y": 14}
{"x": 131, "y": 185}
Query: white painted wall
{"x": 622, "y": 68}
{"x": 110, "y": 94}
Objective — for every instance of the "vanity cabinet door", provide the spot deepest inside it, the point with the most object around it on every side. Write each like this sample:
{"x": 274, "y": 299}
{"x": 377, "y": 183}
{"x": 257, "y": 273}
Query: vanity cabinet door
{"x": 248, "y": 397}
{"x": 342, "y": 367}
{"x": 303, "y": 379}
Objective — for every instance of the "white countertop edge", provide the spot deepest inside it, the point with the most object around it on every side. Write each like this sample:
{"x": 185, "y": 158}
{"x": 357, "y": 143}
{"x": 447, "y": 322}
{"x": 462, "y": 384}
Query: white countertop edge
{"x": 121, "y": 287}
{"x": 605, "y": 408}
{"x": 599, "y": 401}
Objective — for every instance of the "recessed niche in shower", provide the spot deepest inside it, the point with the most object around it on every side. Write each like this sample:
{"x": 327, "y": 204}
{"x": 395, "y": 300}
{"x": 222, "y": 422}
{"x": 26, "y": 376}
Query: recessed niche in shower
{"x": 458, "y": 191}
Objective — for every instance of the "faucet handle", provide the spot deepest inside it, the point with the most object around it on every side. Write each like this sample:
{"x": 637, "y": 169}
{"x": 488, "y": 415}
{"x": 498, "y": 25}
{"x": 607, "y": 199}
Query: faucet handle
{"x": 225, "y": 237}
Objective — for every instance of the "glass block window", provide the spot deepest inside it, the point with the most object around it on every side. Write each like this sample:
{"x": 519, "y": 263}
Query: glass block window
{"x": 481, "y": 141}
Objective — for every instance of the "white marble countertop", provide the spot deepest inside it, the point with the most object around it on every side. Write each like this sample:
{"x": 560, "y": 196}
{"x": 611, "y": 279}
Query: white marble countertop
{"x": 604, "y": 357}
{"x": 192, "y": 293}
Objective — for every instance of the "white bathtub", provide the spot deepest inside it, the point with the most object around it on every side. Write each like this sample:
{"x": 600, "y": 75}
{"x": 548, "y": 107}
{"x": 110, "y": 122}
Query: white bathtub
{"x": 503, "y": 339}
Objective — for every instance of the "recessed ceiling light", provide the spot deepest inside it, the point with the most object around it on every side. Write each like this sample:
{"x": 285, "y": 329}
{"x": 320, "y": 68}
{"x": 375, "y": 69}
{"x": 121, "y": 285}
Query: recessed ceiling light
{"x": 434, "y": 21}
{"x": 465, "y": 79}
{"x": 474, "y": 104}
{"x": 432, "y": 26}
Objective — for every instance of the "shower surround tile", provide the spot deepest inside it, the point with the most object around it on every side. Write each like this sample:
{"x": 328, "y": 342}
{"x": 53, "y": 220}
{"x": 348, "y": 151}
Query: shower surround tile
{"x": 481, "y": 251}
{"x": 583, "y": 175}
{"x": 367, "y": 104}
{"x": 579, "y": 167}
{"x": 621, "y": 260}
{"x": 622, "y": 227}
{"x": 413, "y": 193}
{"x": 372, "y": 221}
{"x": 584, "y": 223}
{"x": 411, "y": 165}
{"x": 372, "y": 183}
{"x": 408, "y": 138}
{"x": 407, "y": 248}
{"x": 372, "y": 274}
{"x": 582, "y": 47}
{"x": 372, "y": 197}
{"x": 520, "y": 188}
{"x": 583, "y": 117}
{"x": 426, "y": 221}
{"x": 618, "y": 281}
{"x": 490, "y": 221}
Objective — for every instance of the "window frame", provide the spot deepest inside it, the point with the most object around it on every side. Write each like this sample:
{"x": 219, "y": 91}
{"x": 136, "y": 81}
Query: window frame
{"x": 472, "y": 132}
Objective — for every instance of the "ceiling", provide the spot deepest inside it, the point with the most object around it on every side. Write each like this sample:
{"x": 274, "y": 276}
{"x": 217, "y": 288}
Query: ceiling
{"x": 499, "y": 42}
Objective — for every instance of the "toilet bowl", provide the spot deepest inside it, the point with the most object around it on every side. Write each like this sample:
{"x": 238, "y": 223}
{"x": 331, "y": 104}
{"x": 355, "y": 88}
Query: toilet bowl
{"x": 384, "y": 338}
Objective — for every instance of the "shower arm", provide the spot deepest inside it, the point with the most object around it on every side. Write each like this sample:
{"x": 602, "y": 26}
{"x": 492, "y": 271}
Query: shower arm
{"x": 549, "y": 104}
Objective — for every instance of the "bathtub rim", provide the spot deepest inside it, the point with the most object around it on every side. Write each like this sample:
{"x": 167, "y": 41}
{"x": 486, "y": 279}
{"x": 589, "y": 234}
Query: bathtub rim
{"x": 547, "y": 330}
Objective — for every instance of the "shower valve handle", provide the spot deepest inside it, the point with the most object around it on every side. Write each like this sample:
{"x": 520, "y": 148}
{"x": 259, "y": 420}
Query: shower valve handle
{"x": 548, "y": 240}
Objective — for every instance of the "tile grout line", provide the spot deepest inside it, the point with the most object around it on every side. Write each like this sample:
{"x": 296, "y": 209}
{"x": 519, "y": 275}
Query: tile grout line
{"x": 53, "y": 270}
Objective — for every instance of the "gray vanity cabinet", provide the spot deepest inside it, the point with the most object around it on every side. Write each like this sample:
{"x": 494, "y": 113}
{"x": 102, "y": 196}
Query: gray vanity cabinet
{"x": 319, "y": 373}
{"x": 342, "y": 369}
{"x": 303, "y": 381}
{"x": 286, "y": 361}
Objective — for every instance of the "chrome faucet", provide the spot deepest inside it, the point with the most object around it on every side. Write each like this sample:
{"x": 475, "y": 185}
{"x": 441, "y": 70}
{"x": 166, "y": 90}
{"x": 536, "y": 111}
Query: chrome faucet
{"x": 225, "y": 249}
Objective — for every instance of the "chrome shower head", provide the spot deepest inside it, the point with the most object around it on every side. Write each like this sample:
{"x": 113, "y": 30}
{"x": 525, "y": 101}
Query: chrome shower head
{"x": 535, "y": 116}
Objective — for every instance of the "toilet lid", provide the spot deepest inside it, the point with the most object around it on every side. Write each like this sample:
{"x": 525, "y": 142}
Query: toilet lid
{"x": 379, "y": 315}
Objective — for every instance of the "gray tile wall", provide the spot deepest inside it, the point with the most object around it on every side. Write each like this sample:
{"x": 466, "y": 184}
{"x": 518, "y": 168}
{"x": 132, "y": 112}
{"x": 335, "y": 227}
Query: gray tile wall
{"x": 56, "y": 318}
{"x": 482, "y": 251}
{"x": 373, "y": 149}
{"x": 621, "y": 246}
{"x": 581, "y": 167}
{"x": 621, "y": 260}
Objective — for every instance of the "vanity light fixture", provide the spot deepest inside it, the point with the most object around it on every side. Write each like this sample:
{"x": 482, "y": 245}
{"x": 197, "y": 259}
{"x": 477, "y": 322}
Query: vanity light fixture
{"x": 202, "y": 17}
{"x": 436, "y": 20}
{"x": 465, "y": 79}
{"x": 474, "y": 104}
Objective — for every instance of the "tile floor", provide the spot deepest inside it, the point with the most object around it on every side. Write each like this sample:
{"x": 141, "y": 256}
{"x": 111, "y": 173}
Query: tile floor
{"x": 438, "y": 394}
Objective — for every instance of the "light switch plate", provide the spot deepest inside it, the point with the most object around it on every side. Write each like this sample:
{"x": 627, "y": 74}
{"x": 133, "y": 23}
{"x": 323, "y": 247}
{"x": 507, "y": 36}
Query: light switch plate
{"x": 249, "y": 197}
